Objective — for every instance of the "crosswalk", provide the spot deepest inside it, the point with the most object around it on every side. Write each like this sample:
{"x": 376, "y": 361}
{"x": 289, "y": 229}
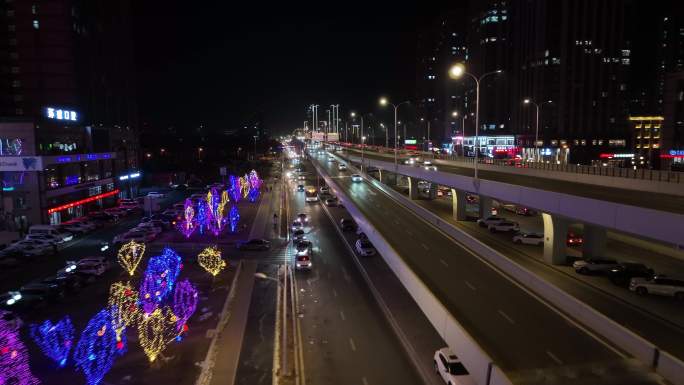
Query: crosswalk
{"x": 279, "y": 254}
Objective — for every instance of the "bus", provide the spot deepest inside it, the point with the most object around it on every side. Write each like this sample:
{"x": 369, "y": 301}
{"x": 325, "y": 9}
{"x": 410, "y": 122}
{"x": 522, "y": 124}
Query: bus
{"x": 311, "y": 194}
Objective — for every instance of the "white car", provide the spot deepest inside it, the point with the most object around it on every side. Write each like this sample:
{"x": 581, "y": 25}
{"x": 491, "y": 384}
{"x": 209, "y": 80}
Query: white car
{"x": 303, "y": 260}
{"x": 659, "y": 285}
{"x": 529, "y": 239}
{"x": 341, "y": 166}
{"x": 364, "y": 248}
{"x": 504, "y": 226}
{"x": 450, "y": 368}
{"x": 52, "y": 239}
{"x": 32, "y": 248}
{"x": 485, "y": 222}
{"x": 356, "y": 178}
{"x": 149, "y": 226}
{"x": 594, "y": 265}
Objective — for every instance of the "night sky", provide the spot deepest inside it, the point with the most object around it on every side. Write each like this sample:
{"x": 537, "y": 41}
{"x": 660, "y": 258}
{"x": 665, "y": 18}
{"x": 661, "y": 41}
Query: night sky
{"x": 219, "y": 64}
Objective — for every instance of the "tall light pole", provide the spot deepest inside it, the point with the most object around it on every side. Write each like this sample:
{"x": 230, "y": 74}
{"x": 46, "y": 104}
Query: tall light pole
{"x": 386, "y": 134}
{"x": 428, "y": 128}
{"x": 353, "y": 115}
{"x": 384, "y": 102}
{"x": 463, "y": 118}
{"x": 455, "y": 72}
{"x": 537, "y": 108}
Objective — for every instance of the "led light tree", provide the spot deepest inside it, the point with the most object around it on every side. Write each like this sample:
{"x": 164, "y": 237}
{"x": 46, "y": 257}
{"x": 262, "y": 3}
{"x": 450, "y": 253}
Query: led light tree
{"x": 211, "y": 261}
{"x": 185, "y": 301}
{"x": 203, "y": 216}
{"x": 233, "y": 218}
{"x": 14, "y": 360}
{"x": 97, "y": 348}
{"x": 235, "y": 189}
{"x": 244, "y": 186}
{"x": 160, "y": 276}
{"x": 187, "y": 226}
{"x": 156, "y": 331}
{"x": 130, "y": 255}
{"x": 254, "y": 185}
{"x": 123, "y": 304}
{"x": 54, "y": 340}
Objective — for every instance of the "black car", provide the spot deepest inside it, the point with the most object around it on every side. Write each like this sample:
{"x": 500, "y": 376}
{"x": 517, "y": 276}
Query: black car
{"x": 347, "y": 224}
{"x": 254, "y": 244}
{"x": 101, "y": 216}
{"x": 66, "y": 282}
{"x": 623, "y": 273}
{"x": 50, "y": 292}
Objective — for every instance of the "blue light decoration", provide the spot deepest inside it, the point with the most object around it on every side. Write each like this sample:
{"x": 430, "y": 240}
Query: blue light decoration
{"x": 203, "y": 216}
{"x": 72, "y": 179}
{"x": 160, "y": 276}
{"x": 234, "y": 189}
{"x": 14, "y": 360}
{"x": 185, "y": 299}
{"x": 54, "y": 340}
{"x": 233, "y": 218}
{"x": 97, "y": 348}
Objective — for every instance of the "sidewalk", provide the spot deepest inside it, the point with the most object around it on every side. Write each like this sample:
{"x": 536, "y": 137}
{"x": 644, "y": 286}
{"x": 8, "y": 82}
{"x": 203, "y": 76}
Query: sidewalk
{"x": 228, "y": 343}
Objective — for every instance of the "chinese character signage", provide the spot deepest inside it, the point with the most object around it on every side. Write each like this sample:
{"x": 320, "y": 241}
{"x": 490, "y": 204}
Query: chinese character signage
{"x": 61, "y": 114}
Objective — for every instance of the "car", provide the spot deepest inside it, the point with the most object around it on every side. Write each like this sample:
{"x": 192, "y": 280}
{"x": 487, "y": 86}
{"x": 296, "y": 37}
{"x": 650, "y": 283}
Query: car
{"x": 659, "y": 285}
{"x": 524, "y": 211}
{"x": 594, "y": 265}
{"x": 331, "y": 158}
{"x": 137, "y": 236}
{"x": 526, "y": 238}
{"x": 50, "y": 292}
{"x": 450, "y": 368}
{"x": 364, "y": 248}
{"x": 486, "y": 222}
{"x": 300, "y": 187}
{"x": 91, "y": 267}
{"x": 161, "y": 223}
{"x": 324, "y": 189}
{"x": 303, "y": 246}
{"x": 172, "y": 212}
{"x": 89, "y": 226}
{"x": 31, "y": 249}
{"x": 254, "y": 244}
{"x": 356, "y": 178}
{"x": 74, "y": 228}
{"x": 504, "y": 226}
{"x": 116, "y": 211}
{"x": 347, "y": 224}
{"x": 298, "y": 235}
{"x": 341, "y": 167}
{"x": 101, "y": 216}
{"x": 330, "y": 202}
{"x": 574, "y": 239}
{"x": 18, "y": 300}
{"x": 66, "y": 281}
{"x": 303, "y": 261}
{"x": 149, "y": 226}
{"x": 145, "y": 231}
{"x": 303, "y": 218}
{"x": 52, "y": 239}
{"x": 296, "y": 225}
{"x": 623, "y": 273}
{"x": 155, "y": 194}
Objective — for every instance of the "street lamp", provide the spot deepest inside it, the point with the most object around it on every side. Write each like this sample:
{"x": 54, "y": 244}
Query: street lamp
{"x": 463, "y": 118}
{"x": 363, "y": 140}
{"x": 428, "y": 131}
{"x": 384, "y": 102}
{"x": 457, "y": 71}
{"x": 199, "y": 153}
{"x": 537, "y": 108}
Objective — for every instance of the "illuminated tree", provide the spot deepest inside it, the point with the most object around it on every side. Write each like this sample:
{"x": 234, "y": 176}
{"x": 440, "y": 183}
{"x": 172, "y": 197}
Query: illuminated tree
{"x": 14, "y": 360}
{"x": 185, "y": 301}
{"x": 156, "y": 331}
{"x": 210, "y": 259}
{"x": 54, "y": 340}
{"x": 130, "y": 255}
{"x": 97, "y": 348}
{"x": 123, "y": 304}
{"x": 235, "y": 189}
{"x": 203, "y": 216}
{"x": 187, "y": 226}
{"x": 160, "y": 276}
{"x": 234, "y": 218}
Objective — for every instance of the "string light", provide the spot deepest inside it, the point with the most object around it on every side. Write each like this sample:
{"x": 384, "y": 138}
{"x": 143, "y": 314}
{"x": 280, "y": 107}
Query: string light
{"x": 156, "y": 331}
{"x": 54, "y": 340}
{"x": 187, "y": 225}
{"x": 185, "y": 301}
{"x": 160, "y": 276}
{"x": 14, "y": 360}
{"x": 254, "y": 185}
{"x": 130, "y": 255}
{"x": 97, "y": 348}
{"x": 244, "y": 186}
{"x": 123, "y": 305}
{"x": 234, "y": 189}
{"x": 210, "y": 259}
{"x": 234, "y": 218}
{"x": 203, "y": 215}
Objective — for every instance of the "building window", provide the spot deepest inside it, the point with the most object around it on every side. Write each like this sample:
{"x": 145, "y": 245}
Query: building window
{"x": 11, "y": 28}
{"x": 14, "y": 70}
{"x": 18, "y": 98}
{"x": 19, "y": 111}
{"x": 14, "y": 55}
{"x": 16, "y": 84}
{"x": 34, "y": 9}
{"x": 10, "y": 13}
{"x": 36, "y": 24}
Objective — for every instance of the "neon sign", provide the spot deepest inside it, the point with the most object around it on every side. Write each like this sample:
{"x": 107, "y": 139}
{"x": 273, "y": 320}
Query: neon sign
{"x": 82, "y": 201}
{"x": 611, "y": 156}
{"x": 130, "y": 176}
{"x": 60, "y": 114}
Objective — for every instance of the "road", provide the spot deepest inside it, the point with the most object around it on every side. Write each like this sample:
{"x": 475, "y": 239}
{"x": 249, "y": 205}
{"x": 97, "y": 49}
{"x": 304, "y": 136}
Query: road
{"x": 655, "y": 201}
{"x": 346, "y": 338}
{"x": 517, "y": 330}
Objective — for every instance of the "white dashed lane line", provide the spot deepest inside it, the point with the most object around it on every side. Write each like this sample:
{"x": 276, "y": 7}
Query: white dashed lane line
{"x": 352, "y": 344}
{"x": 554, "y": 358}
{"x": 444, "y": 263}
{"x": 509, "y": 319}
{"x": 470, "y": 285}
{"x": 342, "y": 316}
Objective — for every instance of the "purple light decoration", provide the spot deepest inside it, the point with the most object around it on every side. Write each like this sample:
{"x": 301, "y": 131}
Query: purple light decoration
{"x": 54, "y": 340}
{"x": 14, "y": 361}
{"x": 97, "y": 348}
{"x": 234, "y": 189}
{"x": 185, "y": 300}
{"x": 187, "y": 225}
{"x": 150, "y": 292}
{"x": 254, "y": 185}
{"x": 233, "y": 218}
{"x": 160, "y": 276}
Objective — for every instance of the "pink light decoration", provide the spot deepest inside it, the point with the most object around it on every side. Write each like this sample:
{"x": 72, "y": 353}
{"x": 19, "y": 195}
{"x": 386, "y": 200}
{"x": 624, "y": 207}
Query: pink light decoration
{"x": 14, "y": 360}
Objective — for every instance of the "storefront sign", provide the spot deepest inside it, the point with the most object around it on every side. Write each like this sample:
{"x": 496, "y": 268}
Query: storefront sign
{"x": 82, "y": 201}
{"x": 21, "y": 163}
{"x": 61, "y": 114}
{"x": 611, "y": 156}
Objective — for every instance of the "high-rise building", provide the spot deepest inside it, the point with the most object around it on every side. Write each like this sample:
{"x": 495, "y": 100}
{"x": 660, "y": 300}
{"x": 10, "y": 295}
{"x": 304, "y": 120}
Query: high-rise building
{"x": 67, "y": 111}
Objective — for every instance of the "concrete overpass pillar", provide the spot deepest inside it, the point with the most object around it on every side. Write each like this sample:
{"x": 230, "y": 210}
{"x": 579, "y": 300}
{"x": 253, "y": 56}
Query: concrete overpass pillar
{"x": 594, "y": 244}
{"x": 555, "y": 236}
{"x": 433, "y": 191}
{"x": 485, "y": 206}
{"x": 458, "y": 199}
{"x": 413, "y": 187}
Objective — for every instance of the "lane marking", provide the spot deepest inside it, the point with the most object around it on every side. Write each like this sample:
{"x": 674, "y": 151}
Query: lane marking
{"x": 342, "y": 316}
{"x": 444, "y": 263}
{"x": 470, "y": 285}
{"x": 353, "y": 345}
{"x": 425, "y": 246}
{"x": 554, "y": 358}
{"x": 334, "y": 293}
{"x": 509, "y": 319}
{"x": 364, "y": 380}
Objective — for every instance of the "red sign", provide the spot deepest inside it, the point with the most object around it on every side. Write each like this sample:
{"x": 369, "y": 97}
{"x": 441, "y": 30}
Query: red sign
{"x": 82, "y": 201}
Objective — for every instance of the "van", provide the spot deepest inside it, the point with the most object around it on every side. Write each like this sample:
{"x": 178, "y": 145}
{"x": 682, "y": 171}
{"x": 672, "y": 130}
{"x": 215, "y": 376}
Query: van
{"x": 50, "y": 230}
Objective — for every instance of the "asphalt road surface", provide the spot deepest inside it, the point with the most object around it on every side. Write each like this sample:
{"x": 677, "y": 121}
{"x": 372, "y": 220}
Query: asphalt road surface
{"x": 517, "y": 330}
{"x": 346, "y": 338}
{"x": 655, "y": 201}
